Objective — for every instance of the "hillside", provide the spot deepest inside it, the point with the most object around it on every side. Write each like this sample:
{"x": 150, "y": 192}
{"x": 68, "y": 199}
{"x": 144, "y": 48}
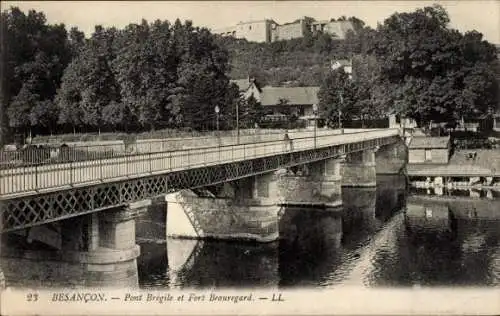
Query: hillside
{"x": 302, "y": 61}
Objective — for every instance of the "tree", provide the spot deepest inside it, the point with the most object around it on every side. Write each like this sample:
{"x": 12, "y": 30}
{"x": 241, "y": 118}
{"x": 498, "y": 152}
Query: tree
{"x": 139, "y": 73}
{"x": 76, "y": 40}
{"x": 89, "y": 82}
{"x": 201, "y": 92}
{"x": 20, "y": 107}
{"x": 202, "y": 83}
{"x": 251, "y": 112}
{"x": 359, "y": 41}
{"x": 433, "y": 72}
{"x": 357, "y": 23}
{"x": 34, "y": 57}
{"x": 336, "y": 97}
{"x": 117, "y": 116}
{"x": 43, "y": 114}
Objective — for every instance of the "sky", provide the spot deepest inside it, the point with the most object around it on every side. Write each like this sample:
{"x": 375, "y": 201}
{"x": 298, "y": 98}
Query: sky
{"x": 479, "y": 15}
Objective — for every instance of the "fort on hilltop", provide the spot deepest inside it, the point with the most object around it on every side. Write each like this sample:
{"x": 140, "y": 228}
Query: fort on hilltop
{"x": 268, "y": 30}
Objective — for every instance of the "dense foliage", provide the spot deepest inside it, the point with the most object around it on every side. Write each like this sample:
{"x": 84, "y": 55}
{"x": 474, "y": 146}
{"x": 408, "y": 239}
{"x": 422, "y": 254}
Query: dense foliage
{"x": 35, "y": 55}
{"x": 161, "y": 75}
{"x": 431, "y": 72}
{"x": 145, "y": 76}
{"x": 421, "y": 69}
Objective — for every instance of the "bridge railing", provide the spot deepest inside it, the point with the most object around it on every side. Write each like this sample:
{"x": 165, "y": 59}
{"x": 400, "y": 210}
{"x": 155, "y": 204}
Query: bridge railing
{"x": 41, "y": 154}
{"x": 36, "y": 178}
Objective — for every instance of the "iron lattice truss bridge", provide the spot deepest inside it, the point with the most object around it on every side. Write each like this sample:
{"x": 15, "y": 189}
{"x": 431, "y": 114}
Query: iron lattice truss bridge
{"x": 43, "y": 206}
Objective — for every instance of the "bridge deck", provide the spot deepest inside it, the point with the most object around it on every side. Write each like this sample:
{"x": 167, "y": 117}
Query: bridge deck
{"x": 35, "y": 195}
{"x": 16, "y": 182}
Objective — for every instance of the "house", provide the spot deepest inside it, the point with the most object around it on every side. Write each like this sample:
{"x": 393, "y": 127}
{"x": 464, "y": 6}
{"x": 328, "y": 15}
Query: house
{"x": 278, "y": 102}
{"x": 248, "y": 87}
{"x": 298, "y": 101}
{"x": 429, "y": 150}
{"x": 293, "y": 100}
{"x": 342, "y": 63}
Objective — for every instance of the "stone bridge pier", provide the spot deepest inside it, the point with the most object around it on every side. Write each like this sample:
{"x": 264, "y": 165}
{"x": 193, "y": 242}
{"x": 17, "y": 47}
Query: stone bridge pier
{"x": 96, "y": 250}
{"x": 392, "y": 158}
{"x": 360, "y": 169}
{"x": 112, "y": 249}
{"x": 331, "y": 180}
{"x": 243, "y": 209}
{"x": 250, "y": 208}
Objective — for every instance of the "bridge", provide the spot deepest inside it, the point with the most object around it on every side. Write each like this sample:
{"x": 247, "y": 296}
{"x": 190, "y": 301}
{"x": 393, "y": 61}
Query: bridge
{"x": 228, "y": 191}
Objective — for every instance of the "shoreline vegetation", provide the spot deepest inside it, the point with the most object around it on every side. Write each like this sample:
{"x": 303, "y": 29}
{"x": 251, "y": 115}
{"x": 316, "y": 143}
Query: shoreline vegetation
{"x": 175, "y": 75}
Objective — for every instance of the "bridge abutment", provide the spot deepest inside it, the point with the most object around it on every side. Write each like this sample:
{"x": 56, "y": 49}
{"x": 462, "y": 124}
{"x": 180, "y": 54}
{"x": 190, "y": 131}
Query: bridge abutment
{"x": 360, "y": 169}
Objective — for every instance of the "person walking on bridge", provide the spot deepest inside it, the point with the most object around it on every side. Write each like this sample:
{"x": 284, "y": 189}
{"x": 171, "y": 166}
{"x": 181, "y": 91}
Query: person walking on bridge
{"x": 288, "y": 143}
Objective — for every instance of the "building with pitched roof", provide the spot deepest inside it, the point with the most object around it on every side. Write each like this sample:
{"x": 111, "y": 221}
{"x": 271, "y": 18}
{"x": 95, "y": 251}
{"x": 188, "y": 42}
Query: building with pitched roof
{"x": 278, "y": 102}
{"x": 429, "y": 150}
{"x": 296, "y": 100}
{"x": 248, "y": 87}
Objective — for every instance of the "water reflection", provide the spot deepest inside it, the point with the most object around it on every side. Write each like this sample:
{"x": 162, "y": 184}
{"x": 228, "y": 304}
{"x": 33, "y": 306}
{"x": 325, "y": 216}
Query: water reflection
{"x": 380, "y": 237}
{"x": 232, "y": 264}
{"x": 316, "y": 247}
{"x": 310, "y": 246}
{"x": 215, "y": 264}
{"x": 391, "y": 196}
{"x": 358, "y": 215}
{"x": 450, "y": 241}
{"x": 464, "y": 192}
{"x": 431, "y": 252}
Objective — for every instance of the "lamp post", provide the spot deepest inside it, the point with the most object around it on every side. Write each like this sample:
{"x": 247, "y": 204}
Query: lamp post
{"x": 340, "y": 111}
{"x": 315, "y": 112}
{"x": 217, "y": 110}
{"x": 237, "y": 123}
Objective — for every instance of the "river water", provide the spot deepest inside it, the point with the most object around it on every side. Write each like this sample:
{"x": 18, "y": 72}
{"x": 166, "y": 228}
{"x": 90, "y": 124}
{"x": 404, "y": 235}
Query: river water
{"x": 384, "y": 236}
{"x": 380, "y": 237}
